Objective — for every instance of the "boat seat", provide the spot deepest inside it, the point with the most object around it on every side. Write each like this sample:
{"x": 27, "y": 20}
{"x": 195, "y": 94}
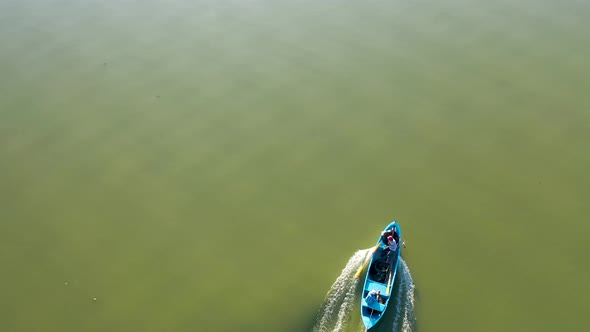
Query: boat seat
{"x": 376, "y": 306}
{"x": 371, "y": 284}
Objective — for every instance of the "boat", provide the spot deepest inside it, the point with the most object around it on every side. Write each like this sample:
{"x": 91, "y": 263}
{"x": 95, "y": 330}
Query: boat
{"x": 380, "y": 277}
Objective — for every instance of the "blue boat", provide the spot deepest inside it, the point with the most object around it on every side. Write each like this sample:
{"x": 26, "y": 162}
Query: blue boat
{"x": 380, "y": 277}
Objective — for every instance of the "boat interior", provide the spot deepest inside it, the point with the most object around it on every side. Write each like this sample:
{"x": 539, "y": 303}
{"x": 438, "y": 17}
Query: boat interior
{"x": 383, "y": 261}
{"x": 374, "y": 309}
{"x": 378, "y": 278}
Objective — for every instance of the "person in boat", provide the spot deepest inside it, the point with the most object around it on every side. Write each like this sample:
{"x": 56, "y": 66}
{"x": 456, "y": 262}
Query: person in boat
{"x": 374, "y": 297}
{"x": 386, "y": 234}
{"x": 391, "y": 245}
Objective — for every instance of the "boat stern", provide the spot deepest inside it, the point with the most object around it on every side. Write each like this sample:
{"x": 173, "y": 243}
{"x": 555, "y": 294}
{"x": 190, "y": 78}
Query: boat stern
{"x": 369, "y": 322}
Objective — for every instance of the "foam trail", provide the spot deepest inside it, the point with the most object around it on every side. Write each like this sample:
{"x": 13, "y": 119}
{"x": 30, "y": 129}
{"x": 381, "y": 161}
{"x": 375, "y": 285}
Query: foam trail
{"x": 338, "y": 303}
{"x": 346, "y": 307}
{"x": 404, "y": 320}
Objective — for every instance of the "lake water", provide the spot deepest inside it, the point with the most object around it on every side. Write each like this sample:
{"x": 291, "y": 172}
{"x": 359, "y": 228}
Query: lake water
{"x": 215, "y": 165}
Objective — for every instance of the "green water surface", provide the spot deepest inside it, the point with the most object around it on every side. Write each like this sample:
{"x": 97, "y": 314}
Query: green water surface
{"x": 211, "y": 165}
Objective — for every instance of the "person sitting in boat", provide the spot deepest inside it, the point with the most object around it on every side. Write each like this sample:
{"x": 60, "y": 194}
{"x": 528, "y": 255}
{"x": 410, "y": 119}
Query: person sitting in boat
{"x": 391, "y": 245}
{"x": 386, "y": 234}
{"x": 374, "y": 297}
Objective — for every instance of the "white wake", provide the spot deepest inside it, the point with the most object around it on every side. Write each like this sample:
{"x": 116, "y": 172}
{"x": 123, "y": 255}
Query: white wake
{"x": 404, "y": 319}
{"x": 339, "y": 302}
{"x": 335, "y": 313}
